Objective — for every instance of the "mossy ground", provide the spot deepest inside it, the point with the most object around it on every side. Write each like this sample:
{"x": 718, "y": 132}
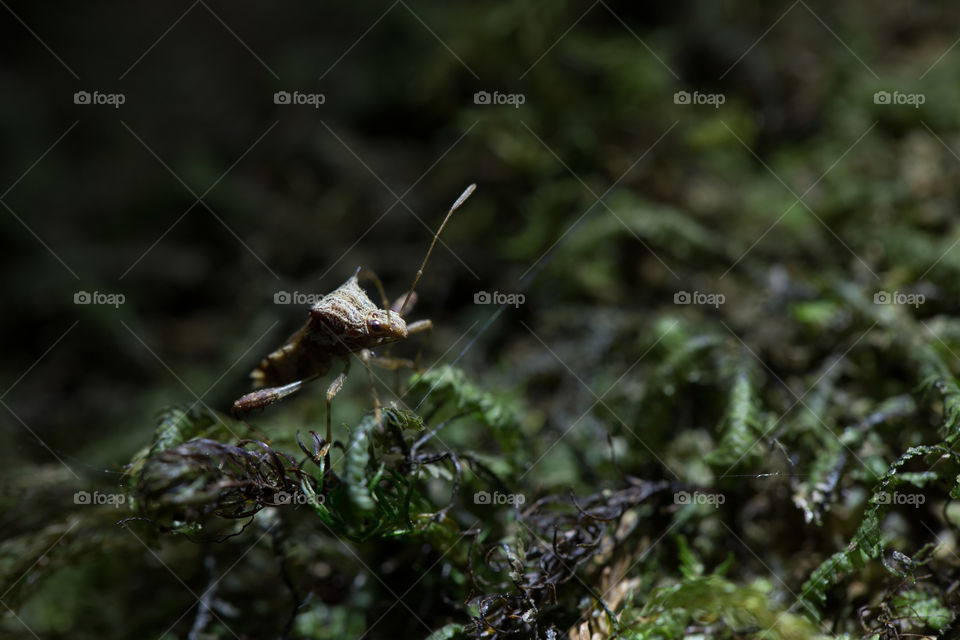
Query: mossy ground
{"x": 721, "y": 401}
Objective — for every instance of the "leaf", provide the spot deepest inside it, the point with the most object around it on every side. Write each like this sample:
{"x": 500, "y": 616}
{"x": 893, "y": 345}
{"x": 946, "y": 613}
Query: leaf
{"x": 867, "y": 543}
{"x": 935, "y": 375}
{"x": 447, "y": 394}
{"x": 742, "y": 424}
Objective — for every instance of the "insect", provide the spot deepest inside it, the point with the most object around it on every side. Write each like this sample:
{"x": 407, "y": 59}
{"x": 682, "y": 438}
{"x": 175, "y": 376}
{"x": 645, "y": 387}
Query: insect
{"x": 343, "y": 323}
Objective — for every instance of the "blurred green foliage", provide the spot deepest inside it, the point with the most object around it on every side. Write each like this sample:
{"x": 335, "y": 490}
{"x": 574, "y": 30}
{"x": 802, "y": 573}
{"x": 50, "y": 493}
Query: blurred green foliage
{"x": 753, "y": 306}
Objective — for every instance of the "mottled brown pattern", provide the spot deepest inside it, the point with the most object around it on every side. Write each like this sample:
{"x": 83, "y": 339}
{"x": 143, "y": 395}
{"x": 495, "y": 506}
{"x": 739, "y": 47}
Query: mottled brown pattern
{"x": 341, "y": 323}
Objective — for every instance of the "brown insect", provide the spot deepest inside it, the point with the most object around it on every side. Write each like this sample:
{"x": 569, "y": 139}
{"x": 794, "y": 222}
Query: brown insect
{"x": 342, "y": 323}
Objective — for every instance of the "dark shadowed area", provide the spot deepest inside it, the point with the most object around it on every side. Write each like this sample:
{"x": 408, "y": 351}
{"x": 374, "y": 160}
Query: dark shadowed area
{"x": 694, "y": 358}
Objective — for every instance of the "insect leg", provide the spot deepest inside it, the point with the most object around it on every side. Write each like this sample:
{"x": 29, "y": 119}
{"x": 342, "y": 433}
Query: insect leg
{"x": 410, "y": 302}
{"x": 420, "y": 326}
{"x": 333, "y": 390}
{"x": 366, "y": 355}
{"x": 390, "y": 363}
{"x": 368, "y": 274}
{"x": 265, "y": 397}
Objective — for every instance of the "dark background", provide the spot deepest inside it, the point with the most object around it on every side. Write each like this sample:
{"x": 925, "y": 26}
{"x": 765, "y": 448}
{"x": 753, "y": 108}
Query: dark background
{"x": 294, "y": 198}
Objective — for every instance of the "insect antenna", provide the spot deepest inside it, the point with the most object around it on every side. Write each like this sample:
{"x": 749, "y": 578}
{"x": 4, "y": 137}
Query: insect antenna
{"x": 463, "y": 196}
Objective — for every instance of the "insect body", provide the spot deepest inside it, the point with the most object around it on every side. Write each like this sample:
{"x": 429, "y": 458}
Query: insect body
{"x": 342, "y": 323}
